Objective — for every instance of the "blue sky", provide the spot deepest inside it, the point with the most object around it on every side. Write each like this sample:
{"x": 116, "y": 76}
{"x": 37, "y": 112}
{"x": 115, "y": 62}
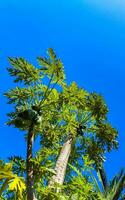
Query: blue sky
{"x": 88, "y": 35}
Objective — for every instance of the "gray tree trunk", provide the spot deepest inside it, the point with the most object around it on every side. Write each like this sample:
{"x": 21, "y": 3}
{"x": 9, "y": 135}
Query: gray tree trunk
{"x": 61, "y": 164}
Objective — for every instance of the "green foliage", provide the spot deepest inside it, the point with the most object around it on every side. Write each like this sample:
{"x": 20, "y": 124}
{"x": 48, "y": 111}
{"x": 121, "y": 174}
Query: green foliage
{"x": 18, "y": 165}
{"x": 35, "y": 98}
{"x": 56, "y": 113}
{"x": 52, "y": 67}
{"x": 80, "y": 185}
{"x": 43, "y": 164}
{"x": 10, "y": 181}
{"x": 23, "y": 71}
{"x": 113, "y": 190}
{"x": 20, "y": 95}
{"x": 96, "y": 105}
{"x": 56, "y": 109}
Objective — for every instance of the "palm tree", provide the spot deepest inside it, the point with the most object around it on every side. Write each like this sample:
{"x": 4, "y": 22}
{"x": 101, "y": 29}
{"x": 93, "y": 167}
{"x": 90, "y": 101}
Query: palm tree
{"x": 113, "y": 190}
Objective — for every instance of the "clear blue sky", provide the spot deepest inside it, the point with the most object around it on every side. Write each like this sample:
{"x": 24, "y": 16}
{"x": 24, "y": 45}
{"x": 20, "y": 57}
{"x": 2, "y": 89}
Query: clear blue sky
{"x": 88, "y": 35}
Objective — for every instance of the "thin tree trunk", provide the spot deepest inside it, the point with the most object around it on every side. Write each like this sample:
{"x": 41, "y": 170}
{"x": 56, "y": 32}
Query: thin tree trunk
{"x": 103, "y": 178}
{"x": 61, "y": 164}
{"x": 29, "y": 166}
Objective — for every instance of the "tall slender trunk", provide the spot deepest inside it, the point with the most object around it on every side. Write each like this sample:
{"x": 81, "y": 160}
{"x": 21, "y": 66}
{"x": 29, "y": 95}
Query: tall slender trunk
{"x": 29, "y": 166}
{"x": 61, "y": 163}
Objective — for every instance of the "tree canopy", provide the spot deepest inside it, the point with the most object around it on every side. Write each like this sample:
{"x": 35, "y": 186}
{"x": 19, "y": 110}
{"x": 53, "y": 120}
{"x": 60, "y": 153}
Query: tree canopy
{"x": 45, "y": 105}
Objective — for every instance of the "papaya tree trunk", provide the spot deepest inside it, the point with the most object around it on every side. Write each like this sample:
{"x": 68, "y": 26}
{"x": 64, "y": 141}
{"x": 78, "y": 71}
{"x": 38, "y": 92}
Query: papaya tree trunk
{"x": 29, "y": 166}
{"x": 61, "y": 164}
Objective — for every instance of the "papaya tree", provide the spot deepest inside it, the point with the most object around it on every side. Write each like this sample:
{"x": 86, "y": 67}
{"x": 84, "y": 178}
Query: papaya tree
{"x": 32, "y": 99}
{"x": 66, "y": 117}
{"x": 88, "y": 130}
